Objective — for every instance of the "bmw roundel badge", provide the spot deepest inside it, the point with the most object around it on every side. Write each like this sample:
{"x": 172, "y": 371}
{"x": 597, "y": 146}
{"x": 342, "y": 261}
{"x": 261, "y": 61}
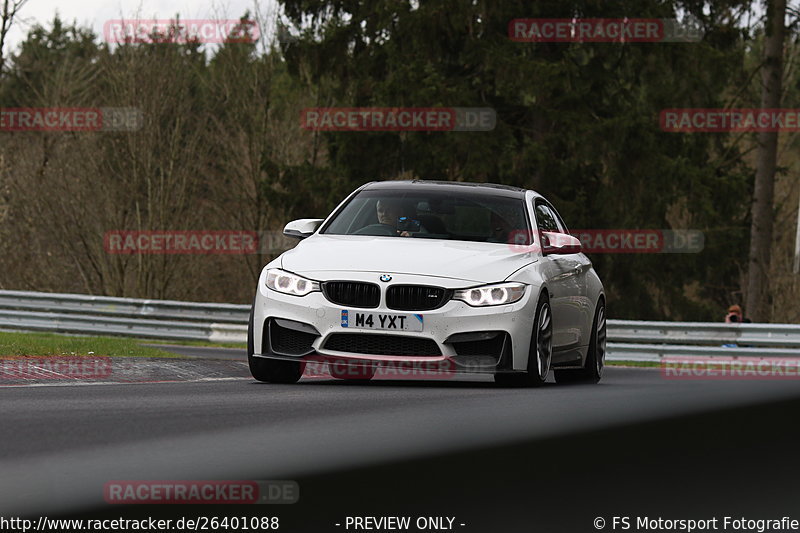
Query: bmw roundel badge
{"x": 386, "y": 278}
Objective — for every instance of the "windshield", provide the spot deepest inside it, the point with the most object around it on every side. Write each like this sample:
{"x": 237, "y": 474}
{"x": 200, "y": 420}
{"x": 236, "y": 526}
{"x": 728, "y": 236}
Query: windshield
{"x": 463, "y": 216}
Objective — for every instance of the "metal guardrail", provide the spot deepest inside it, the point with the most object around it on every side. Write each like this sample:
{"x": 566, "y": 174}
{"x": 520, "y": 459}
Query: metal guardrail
{"x": 657, "y": 352}
{"x": 634, "y": 340}
{"x": 628, "y": 340}
{"x": 129, "y": 307}
{"x": 767, "y": 335}
{"x": 104, "y": 315}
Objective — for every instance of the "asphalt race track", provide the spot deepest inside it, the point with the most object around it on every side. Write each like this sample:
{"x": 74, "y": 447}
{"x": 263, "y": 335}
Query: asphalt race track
{"x": 549, "y": 459}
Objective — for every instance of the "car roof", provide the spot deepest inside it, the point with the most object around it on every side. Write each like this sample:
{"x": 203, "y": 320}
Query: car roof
{"x": 448, "y": 186}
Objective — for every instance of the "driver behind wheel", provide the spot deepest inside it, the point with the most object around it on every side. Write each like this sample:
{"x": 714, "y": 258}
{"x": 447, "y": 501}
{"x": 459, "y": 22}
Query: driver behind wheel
{"x": 389, "y": 211}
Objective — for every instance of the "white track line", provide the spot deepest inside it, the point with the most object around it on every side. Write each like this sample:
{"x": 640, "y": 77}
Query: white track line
{"x": 87, "y": 383}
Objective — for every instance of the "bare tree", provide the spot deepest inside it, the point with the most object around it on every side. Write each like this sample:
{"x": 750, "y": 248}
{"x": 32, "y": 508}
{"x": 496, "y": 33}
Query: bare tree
{"x": 7, "y": 16}
{"x": 758, "y": 301}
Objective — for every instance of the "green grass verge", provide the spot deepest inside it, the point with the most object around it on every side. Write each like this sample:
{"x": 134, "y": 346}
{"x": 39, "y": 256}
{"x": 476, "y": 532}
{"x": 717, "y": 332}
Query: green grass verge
{"x": 634, "y": 363}
{"x": 14, "y": 344}
{"x": 242, "y": 345}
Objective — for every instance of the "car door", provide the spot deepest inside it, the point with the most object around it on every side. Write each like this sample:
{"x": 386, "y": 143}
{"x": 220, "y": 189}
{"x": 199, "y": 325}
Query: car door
{"x": 579, "y": 309}
{"x": 563, "y": 275}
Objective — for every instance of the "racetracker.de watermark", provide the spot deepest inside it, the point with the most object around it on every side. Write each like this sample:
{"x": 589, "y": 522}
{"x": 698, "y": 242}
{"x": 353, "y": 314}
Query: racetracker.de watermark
{"x": 604, "y": 30}
{"x": 230, "y": 242}
{"x": 181, "y": 31}
{"x": 200, "y": 242}
{"x": 327, "y": 367}
{"x": 619, "y": 241}
{"x": 398, "y": 119}
{"x": 105, "y": 119}
{"x": 709, "y": 120}
{"x": 66, "y": 367}
{"x": 730, "y": 368}
{"x": 201, "y": 492}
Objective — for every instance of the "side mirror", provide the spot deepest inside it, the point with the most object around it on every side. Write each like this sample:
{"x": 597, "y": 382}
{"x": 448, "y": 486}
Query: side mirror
{"x": 559, "y": 243}
{"x": 302, "y": 228}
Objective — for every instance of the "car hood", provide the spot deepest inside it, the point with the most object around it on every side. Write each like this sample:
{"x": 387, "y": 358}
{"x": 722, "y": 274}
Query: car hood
{"x": 469, "y": 261}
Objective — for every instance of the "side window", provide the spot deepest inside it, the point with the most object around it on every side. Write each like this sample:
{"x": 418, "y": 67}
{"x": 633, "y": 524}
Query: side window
{"x": 545, "y": 220}
{"x": 562, "y": 226}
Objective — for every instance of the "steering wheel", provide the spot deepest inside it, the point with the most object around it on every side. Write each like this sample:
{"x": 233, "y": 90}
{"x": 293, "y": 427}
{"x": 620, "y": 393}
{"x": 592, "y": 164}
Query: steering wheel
{"x": 377, "y": 229}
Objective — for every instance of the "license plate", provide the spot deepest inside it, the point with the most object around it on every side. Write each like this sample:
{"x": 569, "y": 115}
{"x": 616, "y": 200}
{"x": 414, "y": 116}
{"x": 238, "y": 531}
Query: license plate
{"x": 407, "y": 322}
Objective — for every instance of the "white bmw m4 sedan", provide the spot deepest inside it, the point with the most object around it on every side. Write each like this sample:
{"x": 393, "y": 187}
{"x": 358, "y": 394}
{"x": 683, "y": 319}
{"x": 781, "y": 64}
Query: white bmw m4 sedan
{"x": 429, "y": 278}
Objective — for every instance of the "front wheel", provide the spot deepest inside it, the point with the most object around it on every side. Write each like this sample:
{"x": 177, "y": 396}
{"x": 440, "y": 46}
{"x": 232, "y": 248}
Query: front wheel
{"x": 592, "y": 370}
{"x": 540, "y": 353}
{"x": 270, "y": 370}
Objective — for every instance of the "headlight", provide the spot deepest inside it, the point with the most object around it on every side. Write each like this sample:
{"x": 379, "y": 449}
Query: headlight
{"x": 499, "y": 294}
{"x": 288, "y": 283}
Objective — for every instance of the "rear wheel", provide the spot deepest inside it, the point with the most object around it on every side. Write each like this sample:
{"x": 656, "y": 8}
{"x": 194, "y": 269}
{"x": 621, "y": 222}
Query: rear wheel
{"x": 270, "y": 370}
{"x": 595, "y": 362}
{"x": 540, "y": 353}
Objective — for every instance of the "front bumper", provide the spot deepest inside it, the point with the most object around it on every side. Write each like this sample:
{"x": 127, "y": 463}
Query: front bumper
{"x": 455, "y": 337}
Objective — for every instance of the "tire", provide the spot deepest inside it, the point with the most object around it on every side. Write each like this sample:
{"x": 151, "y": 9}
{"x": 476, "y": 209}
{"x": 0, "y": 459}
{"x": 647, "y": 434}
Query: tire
{"x": 540, "y": 353}
{"x": 592, "y": 370}
{"x": 270, "y": 370}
